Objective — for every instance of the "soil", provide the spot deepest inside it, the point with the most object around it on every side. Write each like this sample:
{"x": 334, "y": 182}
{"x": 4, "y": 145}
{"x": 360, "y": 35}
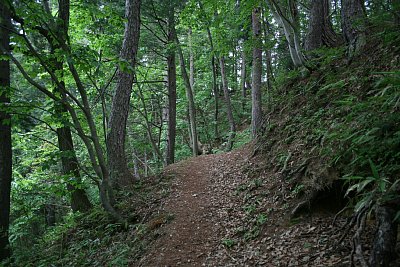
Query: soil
{"x": 223, "y": 212}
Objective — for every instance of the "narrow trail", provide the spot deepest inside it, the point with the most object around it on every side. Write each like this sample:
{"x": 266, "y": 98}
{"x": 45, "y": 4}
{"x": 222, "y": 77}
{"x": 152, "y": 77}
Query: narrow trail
{"x": 225, "y": 213}
{"x": 190, "y": 237}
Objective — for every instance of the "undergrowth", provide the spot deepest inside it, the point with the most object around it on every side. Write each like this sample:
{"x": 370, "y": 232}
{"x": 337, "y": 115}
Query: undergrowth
{"x": 340, "y": 122}
{"x": 93, "y": 239}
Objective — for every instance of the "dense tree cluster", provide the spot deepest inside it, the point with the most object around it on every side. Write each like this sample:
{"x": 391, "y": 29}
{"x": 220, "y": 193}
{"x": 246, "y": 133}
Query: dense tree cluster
{"x": 95, "y": 95}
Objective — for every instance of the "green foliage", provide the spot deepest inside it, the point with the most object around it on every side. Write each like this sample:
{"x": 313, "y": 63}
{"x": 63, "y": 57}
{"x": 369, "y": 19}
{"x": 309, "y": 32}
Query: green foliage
{"x": 242, "y": 138}
{"x": 229, "y": 243}
{"x": 344, "y": 117}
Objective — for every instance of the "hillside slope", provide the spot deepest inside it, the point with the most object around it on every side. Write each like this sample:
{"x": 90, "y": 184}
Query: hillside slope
{"x": 309, "y": 192}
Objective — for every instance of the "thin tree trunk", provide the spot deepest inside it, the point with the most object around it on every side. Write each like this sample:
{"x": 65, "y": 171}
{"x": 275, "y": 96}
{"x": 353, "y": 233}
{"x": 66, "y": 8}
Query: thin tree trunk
{"x": 153, "y": 143}
{"x": 235, "y": 69}
{"x": 268, "y": 55}
{"x": 243, "y": 80}
{"x": 146, "y": 168}
{"x": 290, "y": 29}
{"x": 268, "y": 60}
{"x": 79, "y": 199}
{"x": 256, "y": 112}
{"x": 120, "y": 175}
{"x": 135, "y": 164}
{"x": 191, "y": 59}
{"x": 229, "y": 111}
{"x": 171, "y": 76}
{"x": 5, "y": 136}
{"x": 190, "y": 97}
{"x": 214, "y": 85}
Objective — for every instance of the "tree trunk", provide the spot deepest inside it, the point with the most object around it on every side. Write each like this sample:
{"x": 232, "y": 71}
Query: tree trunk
{"x": 396, "y": 11}
{"x": 243, "y": 80}
{"x": 5, "y": 135}
{"x": 214, "y": 72}
{"x": 79, "y": 199}
{"x": 146, "y": 167}
{"x": 290, "y": 26}
{"x": 155, "y": 146}
{"x": 189, "y": 95}
{"x": 50, "y": 213}
{"x": 320, "y": 30}
{"x": 215, "y": 85}
{"x": 191, "y": 59}
{"x": 383, "y": 249}
{"x": 135, "y": 164}
{"x": 268, "y": 56}
{"x": 354, "y": 25}
{"x": 120, "y": 175}
{"x": 229, "y": 111}
{"x": 171, "y": 77}
{"x": 216, "y": 97}
{"x": 234, "y": 69}
{"x": 256, "y": 112}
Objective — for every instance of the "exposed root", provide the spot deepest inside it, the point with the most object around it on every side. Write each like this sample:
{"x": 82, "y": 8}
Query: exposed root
{"x": 357, "y": 244}
{"x": 340, "y": 213}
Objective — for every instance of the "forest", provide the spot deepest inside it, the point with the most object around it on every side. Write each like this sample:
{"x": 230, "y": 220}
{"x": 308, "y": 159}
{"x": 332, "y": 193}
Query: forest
{"x": 199, "y": 133}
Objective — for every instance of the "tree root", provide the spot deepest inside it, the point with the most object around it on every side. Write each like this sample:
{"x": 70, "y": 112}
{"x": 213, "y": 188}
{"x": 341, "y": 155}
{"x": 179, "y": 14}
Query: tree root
{"x": 357, "y": 244}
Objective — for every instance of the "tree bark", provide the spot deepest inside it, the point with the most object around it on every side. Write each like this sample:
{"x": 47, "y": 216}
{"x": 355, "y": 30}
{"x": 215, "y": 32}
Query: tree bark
{"x": 229, "y": 110}
{"x": 256, "y": 112}
{"x": 120, "y": 175}
{"x": 383, "y": 249}
{"x": 171, "y": 77}
{"x": 5, "y": 135}
{"x": 320, "y": 30}
{"x": 354, "y": 25}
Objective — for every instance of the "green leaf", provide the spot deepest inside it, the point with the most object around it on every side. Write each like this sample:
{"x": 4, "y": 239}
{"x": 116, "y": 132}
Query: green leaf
{"x": 364, "y": 202}
{"x": 374, "y": 169}
{"x": 397, "y": 217}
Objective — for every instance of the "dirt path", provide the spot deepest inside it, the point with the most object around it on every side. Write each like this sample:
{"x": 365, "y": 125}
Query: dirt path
{"x": 230, "y": 210}
{"x": 190, "y": 237}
